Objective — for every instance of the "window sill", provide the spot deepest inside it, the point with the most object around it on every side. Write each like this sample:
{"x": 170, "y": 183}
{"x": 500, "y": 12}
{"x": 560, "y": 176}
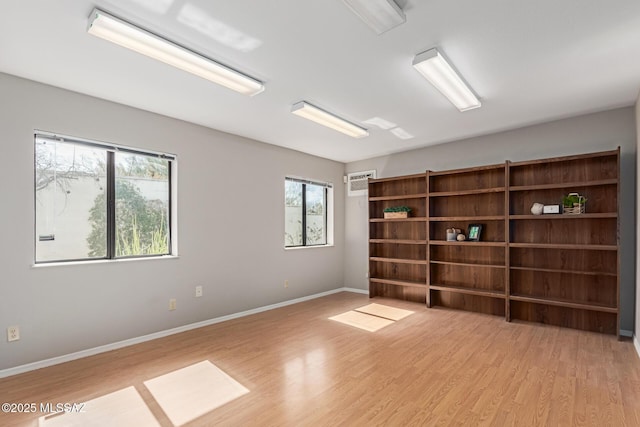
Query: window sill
{"x": 295, "y": 248}
{"x": 103, "y": 261}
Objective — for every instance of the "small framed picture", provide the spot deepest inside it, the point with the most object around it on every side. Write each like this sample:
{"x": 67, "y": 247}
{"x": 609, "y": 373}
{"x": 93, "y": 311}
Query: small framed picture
{"x": 473, "y": 234}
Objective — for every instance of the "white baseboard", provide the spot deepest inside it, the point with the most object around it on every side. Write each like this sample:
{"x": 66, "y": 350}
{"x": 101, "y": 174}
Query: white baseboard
{"x": 356, "y": 291}
{"x": 636, "y": 344}
{"x": 120, "y": 344}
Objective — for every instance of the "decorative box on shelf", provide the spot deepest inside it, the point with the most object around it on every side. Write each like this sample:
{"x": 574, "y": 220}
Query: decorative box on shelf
{"x": 396, "y": 212}
{"x": 551, "y": 209}
{"x": 392, "y": 215}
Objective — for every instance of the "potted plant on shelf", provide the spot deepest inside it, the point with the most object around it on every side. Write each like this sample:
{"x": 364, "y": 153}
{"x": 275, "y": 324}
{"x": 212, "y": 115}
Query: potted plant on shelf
{"x": 397, "y": 212}
{"x": 573, "y": 203}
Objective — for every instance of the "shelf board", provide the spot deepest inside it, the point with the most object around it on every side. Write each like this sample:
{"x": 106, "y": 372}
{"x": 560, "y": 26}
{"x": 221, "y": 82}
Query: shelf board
{"x": 571, "y": 185}
{"x": 465, "y": 243}
{"x": 398, "y": 260}
{"x": 468, "y": 291}
{"x": 399, "y": 241}
{"x": 557, "y": 270}
{"x": 398, "y": 178}
{"x": 604, "y": 215}
{"x": 473, "y": 169}
{"x": 401, "y": 197}
{"x": 396, "y": 282}
{"x": 466, "y": 264}
{"x": 564, "y": 246}
{"x": 565, "y": 303}
{"x": 467, "y": 192}
{"x": 410, "y": 219}
{"x": 610, "y": 153}
{"x": 468, "y": 218}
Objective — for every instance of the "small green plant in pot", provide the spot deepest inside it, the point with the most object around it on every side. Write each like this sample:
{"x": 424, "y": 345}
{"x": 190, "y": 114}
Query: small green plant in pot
{"x": 397, "y": 212}
{"x": 573, "y": 203}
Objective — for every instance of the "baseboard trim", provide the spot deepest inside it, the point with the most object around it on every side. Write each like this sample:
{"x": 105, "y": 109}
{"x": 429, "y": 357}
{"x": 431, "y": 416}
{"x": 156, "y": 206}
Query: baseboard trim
{"x": 132, "y": 341}
{"x": 626, "y": 334}
{"x": 356, "y": 291}
{"x": 636, "y": 344}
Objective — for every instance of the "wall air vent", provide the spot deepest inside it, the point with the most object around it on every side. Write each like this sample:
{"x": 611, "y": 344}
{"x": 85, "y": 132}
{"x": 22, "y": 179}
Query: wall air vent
{"x": 358, "y": 182}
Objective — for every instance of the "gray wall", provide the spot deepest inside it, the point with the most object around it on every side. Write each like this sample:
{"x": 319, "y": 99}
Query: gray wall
{"x": 588, "y": 133}
{"x": 230, "y": 226}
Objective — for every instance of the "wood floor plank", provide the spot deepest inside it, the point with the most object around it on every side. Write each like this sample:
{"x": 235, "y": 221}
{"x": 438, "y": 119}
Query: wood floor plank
{"x": 435, "y": 367}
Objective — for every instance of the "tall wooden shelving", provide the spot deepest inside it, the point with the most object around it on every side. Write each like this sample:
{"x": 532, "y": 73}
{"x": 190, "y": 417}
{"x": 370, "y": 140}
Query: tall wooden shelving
{"x": 565, "y": 268}
{"x": 397, "y": 247}
{"x": 468, "y": 275}
{"x": 556, "y": 269}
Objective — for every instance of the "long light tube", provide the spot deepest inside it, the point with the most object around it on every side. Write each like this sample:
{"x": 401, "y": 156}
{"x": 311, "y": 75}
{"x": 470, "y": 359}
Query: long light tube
{"x": 435, "y": 68}
{"x": 320, "y": 116}
{"x": 115, "y": 30}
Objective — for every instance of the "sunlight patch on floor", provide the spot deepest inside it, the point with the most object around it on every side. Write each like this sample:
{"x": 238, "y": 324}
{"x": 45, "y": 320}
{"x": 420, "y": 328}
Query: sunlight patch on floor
{"x": 391, "y": 313}
{"x": 191, "y": 392}
{"x": 124, "y": 408}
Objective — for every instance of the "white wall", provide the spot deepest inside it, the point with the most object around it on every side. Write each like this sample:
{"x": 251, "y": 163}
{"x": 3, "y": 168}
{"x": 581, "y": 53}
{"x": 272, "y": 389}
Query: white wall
{"x": 230, "y": 229}
{"x": 584, "y": 134}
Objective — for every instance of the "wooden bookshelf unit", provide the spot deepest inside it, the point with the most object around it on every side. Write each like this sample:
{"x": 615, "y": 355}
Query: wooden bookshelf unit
{"x": 398, "y": 247}
{"x": 564, "y": 269}
{"x": 559, "y": 269}
{"x": 468, "y": 275}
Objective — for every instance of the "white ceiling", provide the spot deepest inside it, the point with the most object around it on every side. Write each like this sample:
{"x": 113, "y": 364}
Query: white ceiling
{"x": 529, "y": 61}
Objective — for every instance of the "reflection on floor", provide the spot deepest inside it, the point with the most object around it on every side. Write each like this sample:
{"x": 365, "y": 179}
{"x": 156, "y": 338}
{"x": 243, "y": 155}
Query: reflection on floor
{"x": 371, "y": 317}
{"x": 183, "y": 395}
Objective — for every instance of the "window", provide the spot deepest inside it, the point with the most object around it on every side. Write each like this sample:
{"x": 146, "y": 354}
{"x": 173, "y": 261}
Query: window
{"x": 96, "y": 201}
{"x": 306, "y": 213}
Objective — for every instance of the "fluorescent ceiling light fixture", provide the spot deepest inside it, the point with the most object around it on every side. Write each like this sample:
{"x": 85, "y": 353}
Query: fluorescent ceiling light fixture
{"x": 401, "y": 133}
{"x": 380, "y": 122}
{"x": 318, "y": 115}
{"x": 379, "y": 15}
{"x": 435, "y": 68}
{"x": 122, "y": 33}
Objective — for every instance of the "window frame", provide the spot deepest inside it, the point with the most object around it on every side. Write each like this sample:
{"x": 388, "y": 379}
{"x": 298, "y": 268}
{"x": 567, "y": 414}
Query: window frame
{"x": 110, "y": 194}
{"x": 327, "y": 188}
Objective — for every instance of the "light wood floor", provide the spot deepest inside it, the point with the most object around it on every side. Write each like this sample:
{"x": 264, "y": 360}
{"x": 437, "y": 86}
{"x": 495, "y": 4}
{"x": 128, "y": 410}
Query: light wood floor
{"x": 435, "y": 367}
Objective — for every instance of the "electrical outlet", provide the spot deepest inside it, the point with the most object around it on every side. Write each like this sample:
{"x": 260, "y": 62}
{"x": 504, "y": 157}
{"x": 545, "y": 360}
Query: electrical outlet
{"x": 198, "y": 291}
{"x": 172, "y": 304}
{"x": 13, "y": 333}
{"x": 286, "y": 283}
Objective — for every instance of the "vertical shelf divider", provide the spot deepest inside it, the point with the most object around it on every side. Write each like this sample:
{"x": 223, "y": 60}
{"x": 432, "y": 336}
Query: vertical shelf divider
{"x": 507, "y": 239}
{"x": 618, "y": 245}
{"x": 427, "y": 224}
